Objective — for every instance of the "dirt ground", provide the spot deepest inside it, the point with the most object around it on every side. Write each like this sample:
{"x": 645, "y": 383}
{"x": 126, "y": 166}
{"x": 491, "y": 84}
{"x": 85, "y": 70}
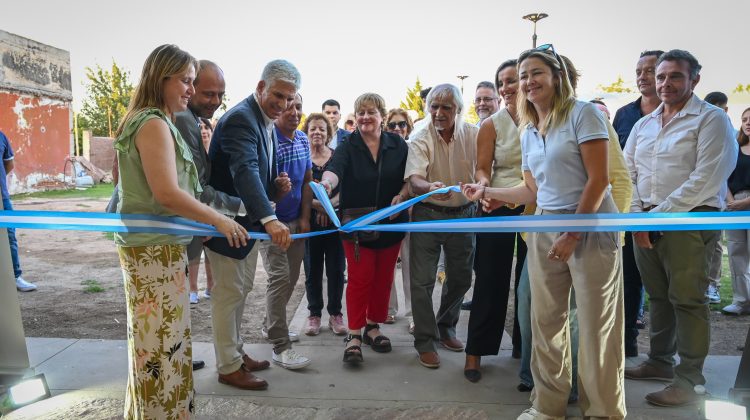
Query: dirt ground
{"x": 60, "y": 261}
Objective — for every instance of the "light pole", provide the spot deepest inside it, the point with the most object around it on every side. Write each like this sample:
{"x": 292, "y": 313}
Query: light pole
{"x": 462, "y": 77}
{"x": 535, "y": 17}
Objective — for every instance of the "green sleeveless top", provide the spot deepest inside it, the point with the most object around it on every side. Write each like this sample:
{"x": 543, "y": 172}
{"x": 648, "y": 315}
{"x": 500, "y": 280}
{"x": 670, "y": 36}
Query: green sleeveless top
{"x": 134, "y": 192}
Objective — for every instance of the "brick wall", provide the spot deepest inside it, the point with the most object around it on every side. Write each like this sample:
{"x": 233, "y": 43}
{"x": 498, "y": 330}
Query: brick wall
{"x": 35, "y": 112}
{"x": 102, "y": 153}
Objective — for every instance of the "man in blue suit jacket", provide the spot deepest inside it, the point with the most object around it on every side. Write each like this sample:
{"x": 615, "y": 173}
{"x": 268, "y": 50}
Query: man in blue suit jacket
{"x": 242, "y": 154}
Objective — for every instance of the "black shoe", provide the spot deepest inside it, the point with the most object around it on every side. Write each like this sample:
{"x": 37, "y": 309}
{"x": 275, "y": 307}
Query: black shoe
{"x": 516, "y": 353}
{"x": 473, "y": 375}
{"x": 631, "y": 352}
{"x": 466, "y": 306}
{"x": 198, "y": 364}
{"x": 524, "y": 388}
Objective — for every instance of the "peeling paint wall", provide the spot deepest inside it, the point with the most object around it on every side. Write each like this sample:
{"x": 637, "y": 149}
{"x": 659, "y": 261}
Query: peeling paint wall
{"x": 35, "y": 111}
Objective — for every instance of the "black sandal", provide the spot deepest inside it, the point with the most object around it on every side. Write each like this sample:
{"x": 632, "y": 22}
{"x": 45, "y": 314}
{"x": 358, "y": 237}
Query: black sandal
{"x": 380, "y": 344}
{"x": 353, "y": 353}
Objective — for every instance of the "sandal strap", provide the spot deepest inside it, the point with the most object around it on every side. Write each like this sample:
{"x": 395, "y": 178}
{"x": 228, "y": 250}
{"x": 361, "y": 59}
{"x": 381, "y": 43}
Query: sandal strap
{"x": 370, "y": 327}
{"x": 379, "y": 339}
{"x": 351, "y": 337}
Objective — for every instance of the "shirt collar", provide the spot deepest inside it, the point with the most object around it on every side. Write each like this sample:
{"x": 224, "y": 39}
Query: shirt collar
{"x": 268, "y": 121}
{"x": 692, "y": 107}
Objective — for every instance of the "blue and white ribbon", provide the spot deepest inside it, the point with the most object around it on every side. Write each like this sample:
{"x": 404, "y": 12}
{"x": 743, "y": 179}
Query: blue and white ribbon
{"x": 602, "y": 222}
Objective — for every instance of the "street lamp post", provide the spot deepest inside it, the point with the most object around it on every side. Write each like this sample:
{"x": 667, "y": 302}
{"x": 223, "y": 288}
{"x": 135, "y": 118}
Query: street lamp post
{"x": 535, "y": 17}
{"x": 462, "y": 77}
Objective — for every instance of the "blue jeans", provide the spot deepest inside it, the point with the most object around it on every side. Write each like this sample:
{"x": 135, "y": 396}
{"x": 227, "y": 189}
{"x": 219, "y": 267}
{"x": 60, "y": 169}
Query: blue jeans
{"x": 13, "y": 243}
{"x": 524, "y": 323}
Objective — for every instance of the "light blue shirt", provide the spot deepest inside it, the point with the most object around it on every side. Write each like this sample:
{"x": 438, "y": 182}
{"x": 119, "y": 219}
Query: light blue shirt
{"x": 556, "y": 162}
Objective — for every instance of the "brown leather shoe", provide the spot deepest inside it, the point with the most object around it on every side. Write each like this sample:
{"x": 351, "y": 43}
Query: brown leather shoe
{"x": 254, "y": 365}
{"x": 243, "y": 379}
{"x": 452, "y": 344}
{"x": 649, "y": 372}
{"x": 429, "y": 359}
{"x": 673, "y": 396}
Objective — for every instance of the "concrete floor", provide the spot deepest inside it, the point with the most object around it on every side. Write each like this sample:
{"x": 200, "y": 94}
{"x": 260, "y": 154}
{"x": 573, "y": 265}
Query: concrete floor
{"x": 87, "y": 378}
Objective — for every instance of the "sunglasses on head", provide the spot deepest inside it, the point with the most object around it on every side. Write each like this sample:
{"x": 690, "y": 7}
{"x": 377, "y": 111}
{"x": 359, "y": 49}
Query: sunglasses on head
{"x": 551, "y": 48}
{"x": 393, "y": 125}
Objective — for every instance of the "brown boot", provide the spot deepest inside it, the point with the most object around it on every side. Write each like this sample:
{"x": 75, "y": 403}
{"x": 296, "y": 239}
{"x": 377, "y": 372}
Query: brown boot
{"x": 254, "y": 365}
{"x": 648, "y": 371}
{"x": 673, "y": 396}
{"x": 243, "y": 379}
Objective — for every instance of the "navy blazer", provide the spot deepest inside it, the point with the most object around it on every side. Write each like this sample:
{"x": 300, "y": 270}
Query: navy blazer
{"x": 240, "y": 167}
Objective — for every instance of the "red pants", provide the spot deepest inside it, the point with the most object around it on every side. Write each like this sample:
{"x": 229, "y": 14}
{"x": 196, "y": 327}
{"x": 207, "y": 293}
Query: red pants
{"x": 369, "y": 283}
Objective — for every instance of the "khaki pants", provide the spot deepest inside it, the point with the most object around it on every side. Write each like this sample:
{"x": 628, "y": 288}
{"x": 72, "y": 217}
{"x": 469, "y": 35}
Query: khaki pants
{"x": 738, "y": 245}
{"x": 675, "y": 275}
{"x": 283, "y": 269}
{"x": 594, "y": 272}
{"x": 233, "y": 280}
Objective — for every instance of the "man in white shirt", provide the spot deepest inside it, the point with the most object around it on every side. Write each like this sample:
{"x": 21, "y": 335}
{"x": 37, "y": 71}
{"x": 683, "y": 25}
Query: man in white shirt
{"x": 679, "y": 157}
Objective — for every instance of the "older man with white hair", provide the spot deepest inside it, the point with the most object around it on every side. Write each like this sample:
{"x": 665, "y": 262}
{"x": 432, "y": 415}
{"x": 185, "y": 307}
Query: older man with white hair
{"x": 441, "y": 153}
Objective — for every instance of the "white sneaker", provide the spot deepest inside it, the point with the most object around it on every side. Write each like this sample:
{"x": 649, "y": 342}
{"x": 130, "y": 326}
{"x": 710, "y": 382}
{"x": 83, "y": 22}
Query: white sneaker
{"x": 24, "y": 286}
{"x": 529, "y": 414}
{"x": 193, "y": 298}
{"x": 293, "y": 337}
{"x": 289, "y": 359}
{"x": 736, "y": 309}
{"x": 713, "y": 294}
{"x": 207, "y": 294}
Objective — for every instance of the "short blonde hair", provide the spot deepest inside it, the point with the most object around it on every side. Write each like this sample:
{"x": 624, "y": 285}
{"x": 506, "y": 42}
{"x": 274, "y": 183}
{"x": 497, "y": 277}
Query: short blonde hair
{"x": 164, "y": 62}
{"x": 370, "y": 99}
{"x": 317, "y": 116}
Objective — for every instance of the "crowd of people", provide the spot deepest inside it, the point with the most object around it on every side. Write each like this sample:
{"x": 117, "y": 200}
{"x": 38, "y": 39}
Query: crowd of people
{"x": 577, "y": 294}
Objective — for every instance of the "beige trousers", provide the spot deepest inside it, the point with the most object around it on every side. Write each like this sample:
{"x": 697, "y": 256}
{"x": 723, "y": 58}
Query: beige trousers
{"x": 594, "y": 272}
{"x": 283, "y": 268}
{"x": 233, "y": 280}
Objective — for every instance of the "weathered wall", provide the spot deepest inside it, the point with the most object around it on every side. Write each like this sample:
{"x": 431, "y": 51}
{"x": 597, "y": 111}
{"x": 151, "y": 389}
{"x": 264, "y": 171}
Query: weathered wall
{"x": 35, "y": 112}
{"x": 102, "y": 154}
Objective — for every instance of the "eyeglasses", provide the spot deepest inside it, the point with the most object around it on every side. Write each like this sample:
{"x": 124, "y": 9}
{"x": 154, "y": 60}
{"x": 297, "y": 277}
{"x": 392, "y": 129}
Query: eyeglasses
{"x": 349, "y": 122}
{"x": 485, "y": 99}
{"x": 393, "y": 125}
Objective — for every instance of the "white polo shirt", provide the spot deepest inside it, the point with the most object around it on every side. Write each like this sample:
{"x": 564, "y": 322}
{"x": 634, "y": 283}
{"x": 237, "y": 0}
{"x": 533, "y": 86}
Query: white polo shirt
{"x": 555, "y": 161}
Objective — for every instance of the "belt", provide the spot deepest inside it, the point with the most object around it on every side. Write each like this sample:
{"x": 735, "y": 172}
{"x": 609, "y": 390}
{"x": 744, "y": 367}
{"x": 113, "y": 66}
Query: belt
{"x": 446, "y": 209}
{"x": 699, "y": 208}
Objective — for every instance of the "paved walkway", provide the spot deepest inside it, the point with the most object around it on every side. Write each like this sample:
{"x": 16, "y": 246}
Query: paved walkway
{"x": 88, "y": 378}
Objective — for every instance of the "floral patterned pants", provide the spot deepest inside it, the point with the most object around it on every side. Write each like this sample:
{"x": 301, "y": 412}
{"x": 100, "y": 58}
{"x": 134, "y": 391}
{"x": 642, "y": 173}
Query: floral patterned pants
{"x": 160, "y": 375}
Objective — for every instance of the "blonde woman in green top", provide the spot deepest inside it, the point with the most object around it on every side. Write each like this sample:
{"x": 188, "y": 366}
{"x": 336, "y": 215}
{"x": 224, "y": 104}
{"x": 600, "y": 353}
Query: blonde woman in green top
{"x": 157, "y": 176}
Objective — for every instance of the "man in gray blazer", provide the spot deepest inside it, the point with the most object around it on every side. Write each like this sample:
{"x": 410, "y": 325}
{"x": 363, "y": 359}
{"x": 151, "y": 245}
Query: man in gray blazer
{"x": 242, "y": 154}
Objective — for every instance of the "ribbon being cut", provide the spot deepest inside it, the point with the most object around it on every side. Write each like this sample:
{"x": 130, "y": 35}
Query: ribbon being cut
{"x": 602, "y": 222}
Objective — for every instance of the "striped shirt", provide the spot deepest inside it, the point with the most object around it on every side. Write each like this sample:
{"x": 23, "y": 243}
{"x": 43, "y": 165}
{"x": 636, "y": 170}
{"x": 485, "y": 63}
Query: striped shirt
{"x": 292, "y": 157}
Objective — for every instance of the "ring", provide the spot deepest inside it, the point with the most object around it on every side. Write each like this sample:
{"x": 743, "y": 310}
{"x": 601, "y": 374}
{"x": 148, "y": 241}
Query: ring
{"x": 234, "y": 233}
{"x": 550, "y": 252}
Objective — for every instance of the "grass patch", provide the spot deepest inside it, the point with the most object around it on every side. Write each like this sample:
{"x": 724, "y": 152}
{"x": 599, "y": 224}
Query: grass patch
{"x": 95, "y": 192}
{"x": 109, "y": 235}
{"x": 92, "y": 286}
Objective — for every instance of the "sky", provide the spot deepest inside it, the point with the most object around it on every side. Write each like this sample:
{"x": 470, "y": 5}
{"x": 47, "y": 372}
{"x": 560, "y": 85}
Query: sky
{"x": 346, "y": 48}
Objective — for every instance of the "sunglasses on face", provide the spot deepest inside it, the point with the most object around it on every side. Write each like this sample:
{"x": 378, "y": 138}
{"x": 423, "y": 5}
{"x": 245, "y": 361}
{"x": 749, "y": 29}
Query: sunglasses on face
{"x": 349, "y": 122}
{"x": 393, "y": 125}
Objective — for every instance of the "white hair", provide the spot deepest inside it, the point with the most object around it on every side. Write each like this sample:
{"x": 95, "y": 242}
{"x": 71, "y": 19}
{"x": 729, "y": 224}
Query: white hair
{"x": 281, "y": 70}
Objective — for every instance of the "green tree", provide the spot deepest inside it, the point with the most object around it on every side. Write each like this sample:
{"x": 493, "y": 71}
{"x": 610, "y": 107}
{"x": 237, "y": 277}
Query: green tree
{"x": 107, "y": 97}
{"x": 617, "y": 86}
{"x": 413, "y": 100}
{"x": 471, "y": 115}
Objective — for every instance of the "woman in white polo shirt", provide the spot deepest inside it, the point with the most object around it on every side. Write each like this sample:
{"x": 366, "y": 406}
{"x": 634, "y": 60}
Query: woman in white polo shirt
{"x": 564, "y": 162}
